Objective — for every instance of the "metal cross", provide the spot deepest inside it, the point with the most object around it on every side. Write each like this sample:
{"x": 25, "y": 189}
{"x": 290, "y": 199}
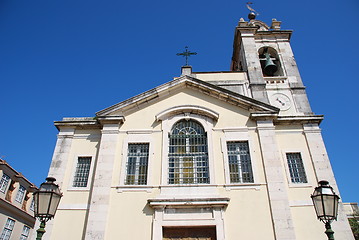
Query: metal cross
{"x": 186, "y": 54}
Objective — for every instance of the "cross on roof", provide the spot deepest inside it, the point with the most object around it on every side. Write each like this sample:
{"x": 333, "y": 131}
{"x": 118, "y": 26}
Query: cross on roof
{"x": 186, "y": 54}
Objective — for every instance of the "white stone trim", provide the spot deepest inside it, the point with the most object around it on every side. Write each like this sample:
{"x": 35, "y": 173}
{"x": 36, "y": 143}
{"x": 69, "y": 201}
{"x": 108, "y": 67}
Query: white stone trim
{"x": 200, "y": 212}
{"x": 237, "y": 135}
{"x": 300, "y": 203}
{"x": 305, "y": 164}
{"x": 137, "y": 136}
{"x": 190, "y": 109}
{"x": 73, "y": 207}
{"x": 207, "y": 124}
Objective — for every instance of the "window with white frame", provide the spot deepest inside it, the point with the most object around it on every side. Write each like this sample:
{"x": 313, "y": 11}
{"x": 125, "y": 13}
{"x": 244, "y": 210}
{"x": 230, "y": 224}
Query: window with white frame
{"x": 188, "y": 154}
{"x": 32, "y": 205}
{"x": 20, "y": 194}
{"x": 82, "y": 172}
{"x": 296, "y": 168}
{"x": 137, "y": 164}
{"x": 6, "y": 232}
{"x": 239, "y": 161}
{"x": 4, "y": 182}
{"x": 25, "y": 233}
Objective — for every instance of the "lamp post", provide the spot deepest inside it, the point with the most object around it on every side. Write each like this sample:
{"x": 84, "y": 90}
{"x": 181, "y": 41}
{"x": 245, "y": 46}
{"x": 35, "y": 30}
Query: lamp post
{"x": 47, "y": 199}
{"x": 326, "y": 205}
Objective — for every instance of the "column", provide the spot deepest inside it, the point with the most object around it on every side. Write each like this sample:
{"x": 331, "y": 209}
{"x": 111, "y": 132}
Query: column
{"x": 323, "y": 171}
{"x": 276, "y": 182}
{"x": 100, "y": 196}
{"x": 61, "y": 154}
{"x": 58, "y": 166}
{"x": 251, "y": 61}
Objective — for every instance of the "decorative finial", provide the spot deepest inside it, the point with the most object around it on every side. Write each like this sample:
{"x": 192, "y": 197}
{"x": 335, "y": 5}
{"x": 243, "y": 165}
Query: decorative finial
{"x": 186, "y": 54}
{"x": 253, "y": 13}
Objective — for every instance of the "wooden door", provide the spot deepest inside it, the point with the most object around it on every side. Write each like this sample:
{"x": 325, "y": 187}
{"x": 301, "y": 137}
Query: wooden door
{"x": 189, "y": 233}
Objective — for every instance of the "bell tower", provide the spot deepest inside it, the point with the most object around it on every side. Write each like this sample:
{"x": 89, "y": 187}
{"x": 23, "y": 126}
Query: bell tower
{"x": 266, "y": 55}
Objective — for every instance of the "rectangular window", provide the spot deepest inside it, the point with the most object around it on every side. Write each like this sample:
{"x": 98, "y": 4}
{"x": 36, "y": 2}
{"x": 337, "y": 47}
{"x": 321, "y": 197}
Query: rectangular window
{"x": 296, "y": 168}
{"x": 239, "y": 160}
{"x": 82, "y": 172}
{"x": 20, "y": 194}
{"x": 32, "y": 205}
{"x": 25, "y": 233}
{"x": 4, "y": 182}
{"x": 6, "y": 232}
{"x": 137, "y": 164}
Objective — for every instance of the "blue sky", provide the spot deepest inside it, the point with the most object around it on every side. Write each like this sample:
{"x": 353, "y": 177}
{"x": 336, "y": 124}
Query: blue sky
{"x": 73, "y": 58}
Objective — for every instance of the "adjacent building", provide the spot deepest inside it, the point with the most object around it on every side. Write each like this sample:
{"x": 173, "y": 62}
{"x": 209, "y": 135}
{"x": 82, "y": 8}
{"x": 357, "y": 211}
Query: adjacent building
{"x": 209, "y": 155}
{"x": 16, "y": 204}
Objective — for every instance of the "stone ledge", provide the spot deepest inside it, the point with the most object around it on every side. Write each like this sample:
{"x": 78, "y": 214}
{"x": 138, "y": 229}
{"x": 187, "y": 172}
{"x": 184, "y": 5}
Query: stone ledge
{"x": 189, "y": 202}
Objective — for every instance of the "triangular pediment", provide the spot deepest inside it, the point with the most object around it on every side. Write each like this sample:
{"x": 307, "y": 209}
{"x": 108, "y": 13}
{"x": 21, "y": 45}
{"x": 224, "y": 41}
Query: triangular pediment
{"x": 250, "y": 104}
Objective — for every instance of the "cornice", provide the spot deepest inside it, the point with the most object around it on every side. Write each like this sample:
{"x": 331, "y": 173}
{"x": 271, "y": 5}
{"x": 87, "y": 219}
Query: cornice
{"x": 193, "y": 83}
{"x": 306, "y": 119}
{"x": 287, "y": 120}
{"x": 88, "y": 122}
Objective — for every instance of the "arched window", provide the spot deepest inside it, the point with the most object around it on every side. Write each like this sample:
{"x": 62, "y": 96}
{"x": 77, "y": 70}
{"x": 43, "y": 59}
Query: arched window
{"x": 188, "y": 154}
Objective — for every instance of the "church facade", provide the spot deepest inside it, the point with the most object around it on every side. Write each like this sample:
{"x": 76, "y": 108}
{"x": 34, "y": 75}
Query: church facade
{"x": 208, "y": 155}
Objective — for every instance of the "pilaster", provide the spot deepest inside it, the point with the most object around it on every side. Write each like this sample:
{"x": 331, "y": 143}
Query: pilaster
{"x": 61, "y": 154}
{"x": 58, "y": 164}
{"x": 251, "y": 62}
{"x": 100, "y": 198}
{"x": 276, "y": 183}
{"x": 323, "y": 171}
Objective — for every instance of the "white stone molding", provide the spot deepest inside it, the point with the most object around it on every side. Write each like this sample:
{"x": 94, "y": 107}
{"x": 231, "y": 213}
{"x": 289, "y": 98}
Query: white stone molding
{"x": 305, "y": 164}
{"x": 182, "y": 109}
{"x": 236, "y": 135}
{"x": 73, "y": 207}
{"x": 323, "y": 171}
{"x": 195, "y": 212}
{"x": 89, "y": 180}
{"x": 100, "y": 199}
{"x": 167, "y": 124}
{"x": 137, "y": 136}
{"x": 276, "y": 184}
{"x": 59, "y": 162}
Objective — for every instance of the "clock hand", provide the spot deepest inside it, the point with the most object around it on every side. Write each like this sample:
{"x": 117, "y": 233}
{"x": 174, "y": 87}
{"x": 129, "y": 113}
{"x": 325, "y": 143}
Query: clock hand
{"x": 280, "y": 101}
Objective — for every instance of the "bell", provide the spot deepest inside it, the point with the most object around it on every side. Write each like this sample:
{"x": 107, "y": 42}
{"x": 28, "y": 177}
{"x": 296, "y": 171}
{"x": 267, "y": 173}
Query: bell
{"x": 269, "y": 68}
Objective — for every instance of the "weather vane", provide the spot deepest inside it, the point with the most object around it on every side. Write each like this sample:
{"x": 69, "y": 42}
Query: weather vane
{"x": 186, "y": 54}
{"x": 253, "y": 12}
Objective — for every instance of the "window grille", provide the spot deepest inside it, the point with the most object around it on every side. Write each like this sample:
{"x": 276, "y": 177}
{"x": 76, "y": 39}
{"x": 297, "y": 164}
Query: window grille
{"x": 239, "y": 160}
{"x": 4, "y": 182}
{"x": 20, "y": 194}
{"x": 6, "y": 232}
{"x": 296, "y": 168}
{"x": 25, "y": 233}
{"x": 137, "y": 164}
{"x": 188, "y": 154}
{"x": 82, "y": 172}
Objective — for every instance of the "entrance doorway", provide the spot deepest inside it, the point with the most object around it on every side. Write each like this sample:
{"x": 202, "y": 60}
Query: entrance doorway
{"x": 189, "y": 233}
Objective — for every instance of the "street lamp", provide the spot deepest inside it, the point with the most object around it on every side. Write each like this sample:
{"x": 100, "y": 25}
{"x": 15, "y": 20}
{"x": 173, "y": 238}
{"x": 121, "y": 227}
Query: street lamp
{"x": 47, "y": 199}
{"x": 326, "y": 205}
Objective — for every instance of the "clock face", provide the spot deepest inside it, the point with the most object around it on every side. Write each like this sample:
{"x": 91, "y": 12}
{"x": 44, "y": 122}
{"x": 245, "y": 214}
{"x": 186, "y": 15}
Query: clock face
{"x": 281, "y": 101}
